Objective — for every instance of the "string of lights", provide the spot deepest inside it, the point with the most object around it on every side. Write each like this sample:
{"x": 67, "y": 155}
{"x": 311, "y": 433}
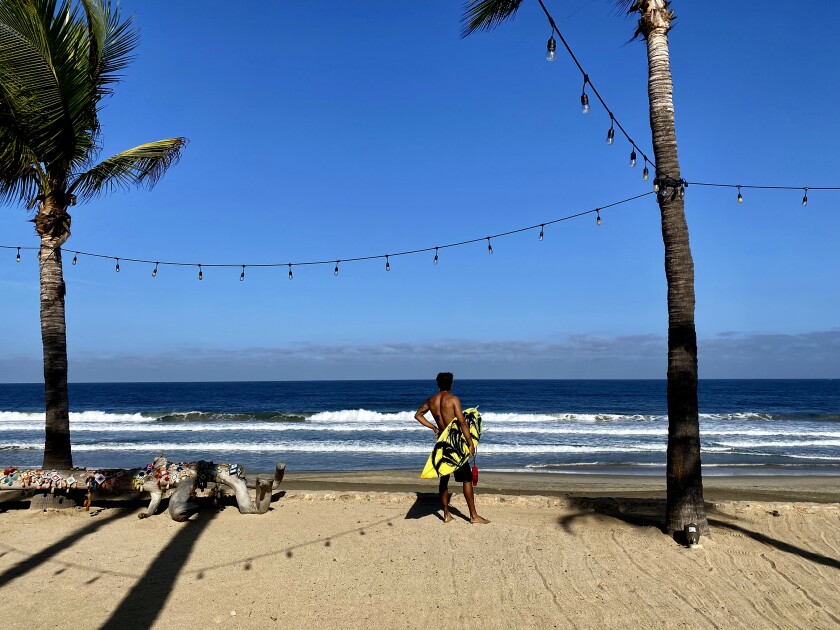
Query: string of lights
{"x": 660, "y": 181}
{"x": 739, "y": 187}
{"x": 387, "y": 257}
{"x": 551, "y": 55}
{"x": 660, "y": 185}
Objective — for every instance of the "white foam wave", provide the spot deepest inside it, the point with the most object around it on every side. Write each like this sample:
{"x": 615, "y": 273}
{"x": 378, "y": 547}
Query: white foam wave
{"x": 75, "y": 417}
{"x": 787, "y": 432}
{"x": 366, "y": 416}
{"x": 340, "y": 447}
{"x": 578, "y": 464}
{"x": 362, "y": 416}
{"x": 820, "y": 457}
{"x": 778, "y": 444}
{"x": 375, "y": 418}
{"x": 220, "y": 427}
{"x": 744, "y": 415}
{"x": 828, "y": 438}
{"x": 143, "y": 424}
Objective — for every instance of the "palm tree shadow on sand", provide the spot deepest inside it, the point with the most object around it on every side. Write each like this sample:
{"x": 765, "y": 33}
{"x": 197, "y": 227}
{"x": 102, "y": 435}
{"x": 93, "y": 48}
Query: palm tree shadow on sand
{"x": 428, "y": 504}
{"x": 147, "y": 598}
{"x": 651, "y": 513}
{"x": 35, "y": 560}
{"x": 636, "y": 512}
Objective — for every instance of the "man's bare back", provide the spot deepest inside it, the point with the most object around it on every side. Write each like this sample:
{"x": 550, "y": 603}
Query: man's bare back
{"x": 443, "y": 406}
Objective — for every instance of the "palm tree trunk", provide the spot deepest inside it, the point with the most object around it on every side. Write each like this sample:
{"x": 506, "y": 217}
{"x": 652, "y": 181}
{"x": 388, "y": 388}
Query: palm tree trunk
{"x": 57, "y": 452}
{"x": 684, "y": 481}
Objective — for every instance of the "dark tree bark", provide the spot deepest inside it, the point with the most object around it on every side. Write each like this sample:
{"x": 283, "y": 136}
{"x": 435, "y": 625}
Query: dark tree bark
{"x": 684, "y": 480}
{"x": 52, "y": 224}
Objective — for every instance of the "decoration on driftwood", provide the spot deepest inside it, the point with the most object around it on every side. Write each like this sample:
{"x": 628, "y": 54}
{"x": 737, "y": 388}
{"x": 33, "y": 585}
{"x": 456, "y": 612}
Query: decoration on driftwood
{"x": 183, "y": 479}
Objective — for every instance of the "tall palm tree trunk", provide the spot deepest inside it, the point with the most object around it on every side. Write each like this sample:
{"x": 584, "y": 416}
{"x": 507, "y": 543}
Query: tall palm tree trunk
{"x": 684, "y": 481}
{"x": 57, "y": 453}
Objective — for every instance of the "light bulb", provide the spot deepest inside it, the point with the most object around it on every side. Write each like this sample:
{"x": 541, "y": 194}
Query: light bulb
{"x": 740, "y": 196}
{"x": 387, "y": 264}
{"x": 610, "y": 135}
{"x": 290, "y": 271}
{"x": 74, "y": 259}
{"x": 551, "y": 49}
{"x": 200, "y": 273}
{"x": 542, "y": 229}
{"x": 804, "y": 203}
{"x": 18, "y": 254}
{"x": 646, "y": 173}
{"x": 597, "y": 217}
{"x": 584, "y": 103}
{"x": 335, "y": 271}
{"x": 489, "y": 246}
{"x": 655, "y": 185}
{"x": 436, "y": 255}
{"x": 633, "y": 158}
{"x": 154, "y": 271}
{"x": 118, "y": 265}
{"x": 242, "y": 275}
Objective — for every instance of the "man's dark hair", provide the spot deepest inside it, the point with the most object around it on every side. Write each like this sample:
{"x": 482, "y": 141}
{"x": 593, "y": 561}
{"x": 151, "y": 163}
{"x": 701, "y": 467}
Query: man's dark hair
{"x": 444, "y": 381}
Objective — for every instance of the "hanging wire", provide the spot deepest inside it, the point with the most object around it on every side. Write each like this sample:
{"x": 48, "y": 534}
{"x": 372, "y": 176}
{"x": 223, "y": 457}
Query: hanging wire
{"x": 756, "y": 187}
{"x": 436, "y": 249}
{"x": 584, "y": 98}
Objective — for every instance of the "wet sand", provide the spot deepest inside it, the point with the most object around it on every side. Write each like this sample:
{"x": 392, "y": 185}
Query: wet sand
{"x": 819, "y": 489}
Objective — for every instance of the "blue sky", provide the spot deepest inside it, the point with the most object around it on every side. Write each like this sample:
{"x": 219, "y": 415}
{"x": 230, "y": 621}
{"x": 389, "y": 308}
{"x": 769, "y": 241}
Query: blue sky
{"x": 327, "y": 130}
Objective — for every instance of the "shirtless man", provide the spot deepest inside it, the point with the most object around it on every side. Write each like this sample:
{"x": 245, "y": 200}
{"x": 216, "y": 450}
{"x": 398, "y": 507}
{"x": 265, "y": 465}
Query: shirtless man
{"x": 444, "y": 406}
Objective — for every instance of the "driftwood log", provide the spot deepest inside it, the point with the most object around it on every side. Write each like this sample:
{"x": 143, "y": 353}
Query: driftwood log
{"x": 180, "y": 481}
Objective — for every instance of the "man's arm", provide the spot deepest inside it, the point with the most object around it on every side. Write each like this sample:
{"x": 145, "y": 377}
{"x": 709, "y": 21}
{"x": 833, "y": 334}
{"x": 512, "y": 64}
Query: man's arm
{"x": 420, "y": 416}
{"x": 462, "y": 422}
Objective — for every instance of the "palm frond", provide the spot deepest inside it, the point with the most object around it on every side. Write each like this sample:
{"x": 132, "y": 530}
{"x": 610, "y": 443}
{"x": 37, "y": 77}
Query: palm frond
{"x": 111, "y": 43}
{"x": 20, "y": 181}
{"x": 143, "y": 165}
{"x": 58, "y": 59}
{"x": 30, "y": 97}
{"x": 628, "y": 6}
{"x": 42, "y": 70}
{"x": 484, "y": 15}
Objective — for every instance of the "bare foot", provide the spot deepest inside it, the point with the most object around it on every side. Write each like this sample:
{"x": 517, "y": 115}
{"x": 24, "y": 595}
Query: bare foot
{"x": 448, "y": 518}
{"x": 479, "y": 520}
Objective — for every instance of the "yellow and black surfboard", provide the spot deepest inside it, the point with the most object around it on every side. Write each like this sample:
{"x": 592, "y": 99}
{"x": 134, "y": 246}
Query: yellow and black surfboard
{"x": 451, "y": 449}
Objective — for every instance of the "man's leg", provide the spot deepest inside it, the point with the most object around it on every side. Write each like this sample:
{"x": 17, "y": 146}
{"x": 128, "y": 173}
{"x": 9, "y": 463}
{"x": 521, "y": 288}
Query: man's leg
{"x": 443, "y": 488}
{"x": 468, "y": 495}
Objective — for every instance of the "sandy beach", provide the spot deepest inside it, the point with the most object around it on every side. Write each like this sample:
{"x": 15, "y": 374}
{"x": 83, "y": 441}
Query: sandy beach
{"x": 364, "y": 550}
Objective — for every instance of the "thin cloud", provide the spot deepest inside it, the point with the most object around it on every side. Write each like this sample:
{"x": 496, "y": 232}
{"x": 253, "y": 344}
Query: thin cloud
{"x": 727, "y": 355}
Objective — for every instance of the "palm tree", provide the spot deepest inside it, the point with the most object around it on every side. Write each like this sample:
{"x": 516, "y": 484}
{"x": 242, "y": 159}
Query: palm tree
{"x": 684, "y": 481}
{"x": 57, "y": 62}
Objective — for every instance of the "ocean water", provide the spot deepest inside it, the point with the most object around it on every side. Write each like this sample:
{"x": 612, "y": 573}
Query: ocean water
{"x": 755, "y": 427}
